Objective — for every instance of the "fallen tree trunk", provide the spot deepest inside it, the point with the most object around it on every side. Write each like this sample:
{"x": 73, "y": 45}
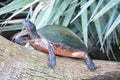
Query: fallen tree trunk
{"x": 20, "y": 63}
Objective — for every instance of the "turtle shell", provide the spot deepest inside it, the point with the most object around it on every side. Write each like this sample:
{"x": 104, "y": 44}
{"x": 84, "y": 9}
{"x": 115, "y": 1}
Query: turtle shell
{"x": 60, "y": 34}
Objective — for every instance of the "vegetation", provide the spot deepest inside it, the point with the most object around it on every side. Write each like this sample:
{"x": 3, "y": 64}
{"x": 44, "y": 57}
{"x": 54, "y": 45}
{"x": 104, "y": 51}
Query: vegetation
{"x": 96, "y": 22}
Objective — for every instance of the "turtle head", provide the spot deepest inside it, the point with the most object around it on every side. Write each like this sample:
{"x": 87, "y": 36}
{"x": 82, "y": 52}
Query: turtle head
{"x": 29, "y": 25}
{"x": 31, "y": 28}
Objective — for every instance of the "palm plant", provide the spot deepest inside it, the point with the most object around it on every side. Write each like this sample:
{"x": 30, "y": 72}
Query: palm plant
{"x": 91, "y": 20}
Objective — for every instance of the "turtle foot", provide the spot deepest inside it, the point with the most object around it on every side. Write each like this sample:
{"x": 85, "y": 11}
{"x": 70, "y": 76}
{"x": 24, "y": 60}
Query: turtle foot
{"x": 51, "y": 62}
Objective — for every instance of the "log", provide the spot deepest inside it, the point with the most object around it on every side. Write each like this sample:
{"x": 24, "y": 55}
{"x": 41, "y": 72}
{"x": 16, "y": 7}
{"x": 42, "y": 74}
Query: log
{"x": 20, "y": 63}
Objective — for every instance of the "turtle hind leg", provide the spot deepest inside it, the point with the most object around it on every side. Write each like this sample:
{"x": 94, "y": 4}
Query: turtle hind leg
{"x": 89, "y": 62}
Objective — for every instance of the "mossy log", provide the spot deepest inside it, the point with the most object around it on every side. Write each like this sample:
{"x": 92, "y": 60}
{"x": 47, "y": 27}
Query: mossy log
{"x": 20, "y": 63}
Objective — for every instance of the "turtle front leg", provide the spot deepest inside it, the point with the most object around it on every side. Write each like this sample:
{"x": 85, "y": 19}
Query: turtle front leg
{"x": 52, "y": 57}
{"x": 45, "y": 46}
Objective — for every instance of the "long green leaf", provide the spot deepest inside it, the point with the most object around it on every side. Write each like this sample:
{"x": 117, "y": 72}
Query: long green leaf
{"x": 55, "y": 9}
{"x": 14, "y": 5}
{"x": 69, "y": 15}
{"x": 114, "y": 25}
{"x": 61, "y": 9}
{"x": 83, "y": 8}
{"x": 44, "y": 16}
{"x": 84, "y": 20}
{"x": 99, "y": 32}
{"x": 72, "y": 8}
{"x": 78, "y": 26}
{"x": 97, "y": 22}
{"x": 112, "y": 17}
{"x": 23, "y": 8}
{"x": 110, "y": 5}
{"x": 96, "y": 9}
{"x": 10, "y": 28}
{"x": 49, "y": 10}
{"x": 37, "y": 10}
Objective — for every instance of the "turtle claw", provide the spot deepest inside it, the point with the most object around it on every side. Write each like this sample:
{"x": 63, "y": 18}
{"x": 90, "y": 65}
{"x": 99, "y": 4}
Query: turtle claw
{"x": 90, "y": 63}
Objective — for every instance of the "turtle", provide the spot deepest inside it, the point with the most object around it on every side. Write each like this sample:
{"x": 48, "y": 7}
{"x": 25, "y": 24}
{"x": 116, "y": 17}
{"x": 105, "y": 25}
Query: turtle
{"x": 41, "y": 43}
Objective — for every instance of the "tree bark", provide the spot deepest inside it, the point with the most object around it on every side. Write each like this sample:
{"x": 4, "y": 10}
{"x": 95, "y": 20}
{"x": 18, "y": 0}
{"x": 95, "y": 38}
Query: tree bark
{"x": 20, "y": 63}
